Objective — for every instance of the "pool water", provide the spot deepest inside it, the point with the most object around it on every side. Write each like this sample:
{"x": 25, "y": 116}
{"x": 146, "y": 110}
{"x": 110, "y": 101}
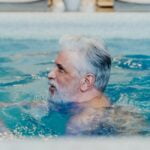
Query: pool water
{"x": 25, "y": 63}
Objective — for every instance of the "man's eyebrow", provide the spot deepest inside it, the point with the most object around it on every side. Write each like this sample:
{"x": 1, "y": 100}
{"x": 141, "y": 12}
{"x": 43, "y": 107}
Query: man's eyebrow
{"x": 61, "y": 67}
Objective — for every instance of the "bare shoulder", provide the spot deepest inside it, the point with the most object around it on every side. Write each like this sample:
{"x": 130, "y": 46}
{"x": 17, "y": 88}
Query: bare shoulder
{"x": 85, "y": 122}
{"x": 121, "y": 120}
{"x": 127, "y": 119}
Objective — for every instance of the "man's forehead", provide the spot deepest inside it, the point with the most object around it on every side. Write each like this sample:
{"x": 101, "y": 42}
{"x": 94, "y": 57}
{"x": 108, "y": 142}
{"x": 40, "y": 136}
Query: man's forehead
{"x": 66, "y": 58}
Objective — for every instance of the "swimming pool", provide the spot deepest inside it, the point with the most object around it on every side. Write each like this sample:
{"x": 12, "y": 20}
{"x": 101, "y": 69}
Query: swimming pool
{"x": 29, "y": 44}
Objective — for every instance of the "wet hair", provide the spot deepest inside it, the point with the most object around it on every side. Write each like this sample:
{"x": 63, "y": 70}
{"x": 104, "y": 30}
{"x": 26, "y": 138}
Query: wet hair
{"x": 94, "y": 56}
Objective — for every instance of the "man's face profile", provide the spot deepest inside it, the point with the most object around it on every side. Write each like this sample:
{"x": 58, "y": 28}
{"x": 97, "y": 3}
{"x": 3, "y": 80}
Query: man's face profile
{"x": 64, "y": 79}
{"x": 81, "y": 72}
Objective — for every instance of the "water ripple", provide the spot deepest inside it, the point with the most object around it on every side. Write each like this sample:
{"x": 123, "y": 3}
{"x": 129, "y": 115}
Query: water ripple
{"x": 27, "y": 79}
{"x": 132, "y": 62}
{"x": 10, "y": 72}
{"x": 5, "y": 60}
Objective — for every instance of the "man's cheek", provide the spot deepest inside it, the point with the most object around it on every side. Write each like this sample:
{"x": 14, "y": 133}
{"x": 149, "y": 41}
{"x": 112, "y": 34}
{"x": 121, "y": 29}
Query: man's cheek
{"x": 61, "y": 84}
{"x": 64, "y": 81}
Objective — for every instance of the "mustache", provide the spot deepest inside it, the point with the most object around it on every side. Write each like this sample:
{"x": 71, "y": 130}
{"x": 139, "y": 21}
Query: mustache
{"x": 52, "y": 84}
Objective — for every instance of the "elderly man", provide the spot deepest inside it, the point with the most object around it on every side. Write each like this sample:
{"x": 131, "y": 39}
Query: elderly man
{"x": 79, "y": 78}
{"x": 77, "y": 104}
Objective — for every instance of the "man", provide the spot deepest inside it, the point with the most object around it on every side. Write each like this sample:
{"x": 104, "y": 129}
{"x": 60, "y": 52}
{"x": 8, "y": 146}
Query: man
{"x": 80, "y": 76}
{"x": 77, "y": 104}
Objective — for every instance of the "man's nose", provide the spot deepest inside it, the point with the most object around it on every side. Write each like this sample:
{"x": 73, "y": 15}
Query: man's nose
{"x": 51, "y": 75}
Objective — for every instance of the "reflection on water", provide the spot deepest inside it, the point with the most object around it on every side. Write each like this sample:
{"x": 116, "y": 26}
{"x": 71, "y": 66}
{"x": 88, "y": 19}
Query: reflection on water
{"x": 24, "y": 65}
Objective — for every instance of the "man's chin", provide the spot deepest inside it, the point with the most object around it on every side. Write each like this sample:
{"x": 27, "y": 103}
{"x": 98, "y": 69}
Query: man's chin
{"x": 61, "y": 106}
{"x": 59, "y": 100}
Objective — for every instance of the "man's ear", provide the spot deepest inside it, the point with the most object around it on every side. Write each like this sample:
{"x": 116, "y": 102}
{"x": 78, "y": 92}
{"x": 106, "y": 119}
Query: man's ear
{"x": 87, "y": 82}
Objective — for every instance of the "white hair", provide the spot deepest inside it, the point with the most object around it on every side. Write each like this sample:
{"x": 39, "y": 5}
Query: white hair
{"x": 94, "y": 56}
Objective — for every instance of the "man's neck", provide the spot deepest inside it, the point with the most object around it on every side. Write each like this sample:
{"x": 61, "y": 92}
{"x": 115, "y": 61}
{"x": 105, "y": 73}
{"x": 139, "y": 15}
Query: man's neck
{"x": 96, "y": 102}
{"x": 92, "y": 99}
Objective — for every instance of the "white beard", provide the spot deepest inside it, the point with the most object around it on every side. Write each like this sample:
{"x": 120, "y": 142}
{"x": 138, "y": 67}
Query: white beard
{"x": 60, "y": 97}
{"x": 63, "y": 95}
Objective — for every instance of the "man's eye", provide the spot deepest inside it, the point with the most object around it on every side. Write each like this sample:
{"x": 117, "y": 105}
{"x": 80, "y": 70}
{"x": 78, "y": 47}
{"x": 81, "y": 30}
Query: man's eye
{"x": 61, "y": 70}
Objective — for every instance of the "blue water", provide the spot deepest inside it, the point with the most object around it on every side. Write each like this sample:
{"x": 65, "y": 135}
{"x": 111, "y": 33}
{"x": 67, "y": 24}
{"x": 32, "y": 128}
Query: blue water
{"x": 24, "y": 65}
